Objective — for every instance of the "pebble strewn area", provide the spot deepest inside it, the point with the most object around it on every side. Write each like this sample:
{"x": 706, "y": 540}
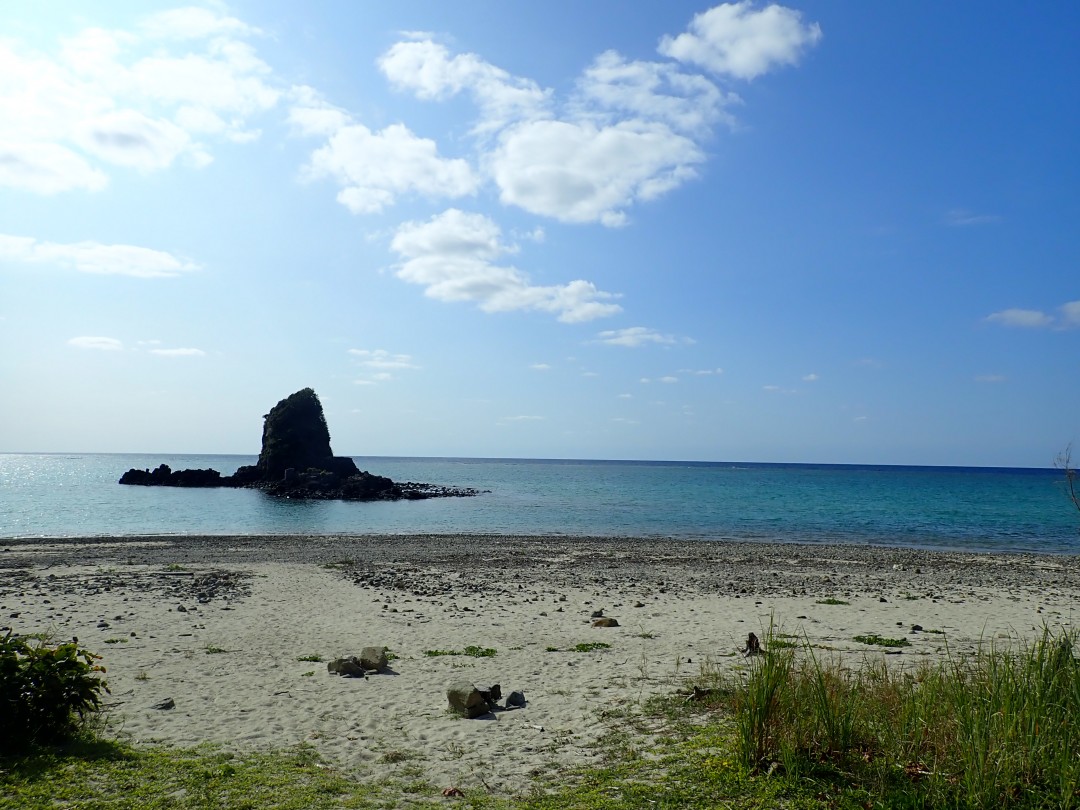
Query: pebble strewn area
{"x": 419, "y": 563}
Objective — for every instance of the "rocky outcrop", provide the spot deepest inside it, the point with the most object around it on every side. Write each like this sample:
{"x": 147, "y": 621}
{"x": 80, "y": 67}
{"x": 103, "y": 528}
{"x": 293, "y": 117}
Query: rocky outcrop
{"x": 296, "y": 462}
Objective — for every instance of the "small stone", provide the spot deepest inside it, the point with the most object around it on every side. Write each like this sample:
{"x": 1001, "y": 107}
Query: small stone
{"x": 605, "y": 623}
{"x": 916, "y": 628}
{"x": 164, "y": 705}
{"x": 597, "y": 614}
{"x": 181, "y": 609}
{"x": 515, "y": 700}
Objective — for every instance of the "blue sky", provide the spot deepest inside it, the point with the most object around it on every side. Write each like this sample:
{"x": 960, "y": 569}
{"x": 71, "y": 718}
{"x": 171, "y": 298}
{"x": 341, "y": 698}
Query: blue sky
{"x": 816, "y": 232}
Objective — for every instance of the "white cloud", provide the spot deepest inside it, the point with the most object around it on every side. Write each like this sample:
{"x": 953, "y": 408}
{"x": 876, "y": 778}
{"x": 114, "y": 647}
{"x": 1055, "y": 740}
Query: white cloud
{"x": 136, "y": 99}
{"x": 382, "y": 359}
{"x": 653, "y": 91}
{"x": 178, "y": 352}
{"x": 1070, "y": 314}
{"x": 129, "y": 138}
{"x": 669, "y": 380}
{"x": 584, "y": 172}
{"x": 375, "y": 168}
{"x": 811, "y": 377}
{"x": 626, "y": 396}
{"x": 1024, "y": 318}
{"x": 540, "y": 367}
{"x": 633, "y": 337}
{"x": 93, "y": 257}
{"x": 193, "y": 23}
{"x": 702, "y": 372}
{"x": 428, "y": 70}
{"x": 105, "y": 344}
{"x": 734, "y": 39}
{"x": 453, "y": 256}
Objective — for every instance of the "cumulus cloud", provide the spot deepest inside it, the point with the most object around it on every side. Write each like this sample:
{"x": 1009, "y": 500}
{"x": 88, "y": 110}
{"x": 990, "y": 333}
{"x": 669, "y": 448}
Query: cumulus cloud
{"x": 375, "y": 168}
{"x": 454, "y": 257}
{"x": 104, "y": 344}
{"x": 652, "y": 91}
{"x": 93, "y": 257}
{"x": 540, "y": 367}
{"x": 631, "y": 131}
{"x": 811, "y": 377}
{"x": 585, "y": 172}
{"x": 735, "y": 39}
{"x": 634, "y": 336}
{"x": 139, "y": 99}
{"x": 428, "y": 70}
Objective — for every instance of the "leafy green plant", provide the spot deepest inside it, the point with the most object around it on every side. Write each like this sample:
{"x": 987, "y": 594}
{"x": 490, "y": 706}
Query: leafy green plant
{"x": 832, "y": 601}
{"x": 314, "y": 658}
{"x": 46, "y": 692}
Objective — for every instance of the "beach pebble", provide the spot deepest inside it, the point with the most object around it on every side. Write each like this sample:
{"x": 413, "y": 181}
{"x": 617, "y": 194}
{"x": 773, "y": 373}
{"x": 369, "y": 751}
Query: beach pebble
{"x": 165, "y": 705}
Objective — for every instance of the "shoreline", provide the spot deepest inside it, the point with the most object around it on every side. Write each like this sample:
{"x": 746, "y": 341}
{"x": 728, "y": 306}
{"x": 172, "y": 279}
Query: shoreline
{"x": 219, "y": 623}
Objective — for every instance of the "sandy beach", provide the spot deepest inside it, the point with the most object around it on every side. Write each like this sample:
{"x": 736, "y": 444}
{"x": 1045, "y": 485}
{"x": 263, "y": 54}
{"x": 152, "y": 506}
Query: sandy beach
{"x": 219, "y": 625}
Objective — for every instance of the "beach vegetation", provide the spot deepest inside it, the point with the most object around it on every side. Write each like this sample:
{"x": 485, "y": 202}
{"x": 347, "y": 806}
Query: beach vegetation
{"x": 116, "y": 641}
{"x": 472, "y": 651}
{"x": 48, "y": 691}
{"x": 313, "y": 658}
{"x": 214, "y": 650}
{"x": 881, "y": 641}
{"x": 832, "y": 601}
{"x": 789, "y": 728}
{"x": 309, "y": 674}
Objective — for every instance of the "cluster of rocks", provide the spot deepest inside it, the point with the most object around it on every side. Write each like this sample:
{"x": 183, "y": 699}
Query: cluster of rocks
{"x": 371, "y": 661}
{"x": 178, "y": 585}
{"x": 296, "y": 462}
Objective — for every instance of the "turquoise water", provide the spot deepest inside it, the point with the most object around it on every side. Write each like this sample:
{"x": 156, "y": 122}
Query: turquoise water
{"x": 960, "y": 508}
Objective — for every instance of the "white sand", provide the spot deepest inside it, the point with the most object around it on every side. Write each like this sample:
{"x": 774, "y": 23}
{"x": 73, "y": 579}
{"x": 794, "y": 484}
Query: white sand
{"x": 255, "y": 693}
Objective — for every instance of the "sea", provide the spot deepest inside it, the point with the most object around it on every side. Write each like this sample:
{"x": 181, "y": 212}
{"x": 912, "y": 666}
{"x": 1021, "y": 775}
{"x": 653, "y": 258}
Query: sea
{"x": 957, "y": 508}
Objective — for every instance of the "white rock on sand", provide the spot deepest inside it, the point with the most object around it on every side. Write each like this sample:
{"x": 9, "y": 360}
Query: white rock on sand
{"x": 230, "y": 662}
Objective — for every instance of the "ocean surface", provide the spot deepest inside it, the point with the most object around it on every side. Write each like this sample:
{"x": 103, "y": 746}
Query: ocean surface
{"x": 986, "y": 509}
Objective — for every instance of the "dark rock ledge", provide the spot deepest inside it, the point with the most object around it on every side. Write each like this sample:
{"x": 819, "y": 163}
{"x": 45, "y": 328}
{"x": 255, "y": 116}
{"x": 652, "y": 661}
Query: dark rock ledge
{"x": 296, "y": 462}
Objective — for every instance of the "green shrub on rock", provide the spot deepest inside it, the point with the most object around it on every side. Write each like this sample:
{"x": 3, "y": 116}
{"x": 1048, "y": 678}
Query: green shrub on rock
{"x": 46, "y": 692}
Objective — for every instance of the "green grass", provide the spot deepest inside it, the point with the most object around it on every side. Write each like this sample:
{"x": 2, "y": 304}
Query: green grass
{"x": 880, "y": 641}
{"x": 586, "y": 646}
{"x": 96, "y": 774}
{"x": 212, "y": 650}
{"x": 314, "y": 658}
{"x": 832, "y": 601}
{"x": 471, "y": 651}
{"x": 994, "y": 729}
{"x": 116, "y": 641}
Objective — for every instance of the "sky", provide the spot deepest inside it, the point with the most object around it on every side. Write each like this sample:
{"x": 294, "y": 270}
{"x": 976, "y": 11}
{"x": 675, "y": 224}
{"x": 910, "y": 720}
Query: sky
{"x": 826, "y": 232}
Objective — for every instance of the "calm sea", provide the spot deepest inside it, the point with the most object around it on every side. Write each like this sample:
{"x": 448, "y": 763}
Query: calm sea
{"x": 58, "y": 495}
